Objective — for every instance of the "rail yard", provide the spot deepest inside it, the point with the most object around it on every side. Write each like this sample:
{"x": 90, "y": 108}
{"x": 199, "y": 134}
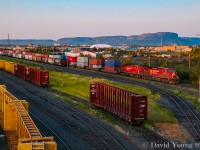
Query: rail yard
{"x": 73, "y": 128}
{"x": 100, "y": 75}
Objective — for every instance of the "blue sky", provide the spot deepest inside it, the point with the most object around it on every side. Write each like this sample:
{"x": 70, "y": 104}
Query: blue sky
{"x": 53, "y": 19}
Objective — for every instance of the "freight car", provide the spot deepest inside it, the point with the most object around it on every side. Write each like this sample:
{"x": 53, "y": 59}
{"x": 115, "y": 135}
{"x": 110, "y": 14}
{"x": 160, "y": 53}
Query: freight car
{"x": 166, "y": 75}
{"x": 127, "y": 105}
{"x": 34, "y": 75}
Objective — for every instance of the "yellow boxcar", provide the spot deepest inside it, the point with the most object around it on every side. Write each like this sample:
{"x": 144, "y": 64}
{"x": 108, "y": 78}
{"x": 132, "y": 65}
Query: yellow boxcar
{"x": 2, "y": 64}
{"x": 10, "y": 67}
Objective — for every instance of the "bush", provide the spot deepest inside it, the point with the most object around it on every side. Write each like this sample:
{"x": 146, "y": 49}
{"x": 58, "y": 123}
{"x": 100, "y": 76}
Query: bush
{"x": 183, "y": 74}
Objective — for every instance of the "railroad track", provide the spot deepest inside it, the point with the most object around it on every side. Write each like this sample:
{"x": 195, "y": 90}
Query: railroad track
{"x": 86, "y": 128}
{"x": 188, "y": 116}
{"x": 149, "y": 135}
{"x": 93, "y": 133}
{"x": 48, "y": 129}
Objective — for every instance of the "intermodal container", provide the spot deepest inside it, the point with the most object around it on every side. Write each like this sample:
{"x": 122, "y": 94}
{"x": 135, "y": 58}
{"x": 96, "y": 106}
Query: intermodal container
{"x": 72, "y": 60}
{"x": 20, "y": 56}
{"x": 108, "y": 68}
{"x": 95, "y": 66}
{"x": 112, "y": 62}
{"x": 45, "y": 59}
{"x": 82, "y": 59}
{"x": 82, "y": 64}
{"x": 54, "y": 56}
{"x": 45, "y": 55}
{"x": 95, "y": 61}
{"x": 34, "y": 58}
{"x": 57, "y": 61}
{"x": 30, "y": 57}
{"x": 38, "y": 58}
{"x": 51, "y": 60}
{"x": 26, "y": 57}
{"x": 10, "y": 67}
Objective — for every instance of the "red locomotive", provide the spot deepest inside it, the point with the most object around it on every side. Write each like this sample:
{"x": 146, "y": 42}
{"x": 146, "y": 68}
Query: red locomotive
{"x": 133, "y": 70}
{"x": 167, "y": 75}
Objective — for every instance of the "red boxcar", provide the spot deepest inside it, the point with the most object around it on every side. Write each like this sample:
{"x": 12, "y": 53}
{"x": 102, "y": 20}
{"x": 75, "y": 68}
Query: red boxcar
{"x": 37, "y": 76}
{"x": 130, "y": 106}
{"x": 20, "y": 70}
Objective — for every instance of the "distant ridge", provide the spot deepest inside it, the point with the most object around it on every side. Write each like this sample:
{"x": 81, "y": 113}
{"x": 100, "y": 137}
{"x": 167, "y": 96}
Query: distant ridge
{"x": 147, "y": 39}
{"x": 167, "y": 38}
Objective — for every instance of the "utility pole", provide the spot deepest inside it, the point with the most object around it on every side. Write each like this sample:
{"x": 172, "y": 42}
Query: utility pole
{"x": 199, "y": 78}
{"x": 8, "y": 40}
{"x": 189, "y": 64}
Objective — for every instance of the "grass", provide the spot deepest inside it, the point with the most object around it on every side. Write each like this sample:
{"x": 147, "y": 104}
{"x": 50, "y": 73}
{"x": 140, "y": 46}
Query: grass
{"x": 79, "y": 86}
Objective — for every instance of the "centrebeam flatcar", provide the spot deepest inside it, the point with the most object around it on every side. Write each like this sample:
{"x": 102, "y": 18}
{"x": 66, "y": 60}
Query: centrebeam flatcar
{"x": 127, "y": 105}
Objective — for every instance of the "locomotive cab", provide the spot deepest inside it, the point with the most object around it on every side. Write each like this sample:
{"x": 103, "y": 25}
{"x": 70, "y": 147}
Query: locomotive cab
{"x": 173, "y": 77}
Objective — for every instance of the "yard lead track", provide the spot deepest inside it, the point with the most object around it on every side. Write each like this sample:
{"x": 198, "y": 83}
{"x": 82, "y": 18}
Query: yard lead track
{"x": 92, "y": 132}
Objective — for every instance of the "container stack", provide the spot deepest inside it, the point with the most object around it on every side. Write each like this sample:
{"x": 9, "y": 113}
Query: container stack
{"x": 3, "y": 52}
{"x": 95, "y": 64}
{"x": 112, "y": 65}
{"x": 62, "y": 61}
{"x": 82, "y": 62}
{"x": 72, "y": 61}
